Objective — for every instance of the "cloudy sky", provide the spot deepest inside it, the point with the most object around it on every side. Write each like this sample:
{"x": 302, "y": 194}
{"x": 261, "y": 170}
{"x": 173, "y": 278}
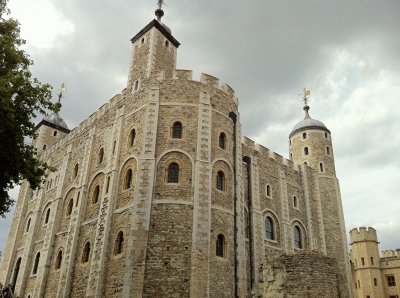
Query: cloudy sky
{"x": 346, "y": 52}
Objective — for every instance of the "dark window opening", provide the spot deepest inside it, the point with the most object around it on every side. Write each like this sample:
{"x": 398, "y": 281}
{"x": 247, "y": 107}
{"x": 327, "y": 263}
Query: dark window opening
{"x": 132, "y": 136}
{"x": 96, "y": 194}
{"x": 76, "y": 170}
{"x": 55, "y": 133}
{"x": 28, "y": 224}
{"x": 101, "y": 155}
{"x": 304, "y": 135}
{"x": 328, "y": 151}
{"x": 173, "y": 173}
{"x": 114, "y": 144}
{"x": 295, "y": 202}
{"x": 321, "y": 167}
{"x": 297, "y": 238}
{"x": 70, "y": 206}
{"x": 108, "y": 184}
{"x": 269, "y": 228}
{"x": 58, "y": 260}
{"x": 220, "y": 246}
{"x": 391, "y": 280}
{"x": 268, "y": 190}
{"x": 220, "y": 181}
{"x": 177, "y": 130}
{"x": 128, "y": 179}
{"x": 306, "y": 151}
{"x": 86, "y": 253}
{"x": 222, "y": 140}
{"x": 362, "y": 261}
{"x": 44, "y": 147}
{"x": 36, "y": 263}
{"x": 375, "y": 282}
{"x": 46, "y": 219}
{"x": 372, "y": 260}
{"x": 119, "y": 243}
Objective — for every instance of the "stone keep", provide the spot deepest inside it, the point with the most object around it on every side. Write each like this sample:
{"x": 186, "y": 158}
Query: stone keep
{"x": 158, "y": 194}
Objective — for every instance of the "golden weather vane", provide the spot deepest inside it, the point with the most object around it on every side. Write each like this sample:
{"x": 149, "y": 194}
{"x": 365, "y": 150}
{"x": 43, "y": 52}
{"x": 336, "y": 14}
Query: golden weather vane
{"x": 306, "y": 93}
{"x": 62, "y": 91}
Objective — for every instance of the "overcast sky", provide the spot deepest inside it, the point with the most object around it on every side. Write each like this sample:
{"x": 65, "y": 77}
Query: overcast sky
{"x": 346, "y": 52}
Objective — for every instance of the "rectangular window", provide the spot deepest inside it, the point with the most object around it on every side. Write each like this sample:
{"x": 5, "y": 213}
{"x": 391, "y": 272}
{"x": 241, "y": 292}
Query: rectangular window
{"x": 391, "y": 281}
{"x": 362, "y": 261}
{"x": 372, "y": 261}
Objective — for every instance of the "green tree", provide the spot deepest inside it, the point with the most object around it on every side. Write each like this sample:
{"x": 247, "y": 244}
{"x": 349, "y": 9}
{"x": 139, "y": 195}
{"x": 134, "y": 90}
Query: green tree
{"x": 22, "y": 98}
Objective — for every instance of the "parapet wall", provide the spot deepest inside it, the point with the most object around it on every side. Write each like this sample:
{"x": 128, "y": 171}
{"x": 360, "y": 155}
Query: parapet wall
{"x": 363, "y": 234}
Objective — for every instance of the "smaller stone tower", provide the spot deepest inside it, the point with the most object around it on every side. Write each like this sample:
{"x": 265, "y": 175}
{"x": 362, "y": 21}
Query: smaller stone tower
{"x": 51, "y": 128}
{"x": 365, "y": 263}
{"x": 310, "y": 143}
{"x": 153, "y": 49}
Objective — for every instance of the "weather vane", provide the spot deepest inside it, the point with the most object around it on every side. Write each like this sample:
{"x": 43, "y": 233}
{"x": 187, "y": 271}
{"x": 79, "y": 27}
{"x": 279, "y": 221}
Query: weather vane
{"x": 61, "y": 94}
{"x": 160, "y": 3}
{"x": 305, "y": 94}
{"x": 159, "y": 11}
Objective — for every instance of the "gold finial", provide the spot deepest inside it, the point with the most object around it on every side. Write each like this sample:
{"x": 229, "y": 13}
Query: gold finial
{"x": 61, "y": 94}
{"x": 306, "y": 93}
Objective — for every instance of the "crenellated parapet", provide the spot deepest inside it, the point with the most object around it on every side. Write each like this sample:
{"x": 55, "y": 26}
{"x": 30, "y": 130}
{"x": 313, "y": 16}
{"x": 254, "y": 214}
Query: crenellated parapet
{"x": 363, "y": 234}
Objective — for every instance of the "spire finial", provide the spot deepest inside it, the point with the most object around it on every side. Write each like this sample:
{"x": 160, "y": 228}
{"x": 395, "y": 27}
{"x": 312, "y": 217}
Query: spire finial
{"x": 60, "y": 95}
{"x": 159, "y": 12}
{"x": 306, "y": 108}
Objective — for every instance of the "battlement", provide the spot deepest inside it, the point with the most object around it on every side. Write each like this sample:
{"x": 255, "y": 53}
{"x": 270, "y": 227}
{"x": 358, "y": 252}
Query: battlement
{"x": 252, "y": 145}
{"x": 363, "y": 234}
{"x": 390, "y": 253}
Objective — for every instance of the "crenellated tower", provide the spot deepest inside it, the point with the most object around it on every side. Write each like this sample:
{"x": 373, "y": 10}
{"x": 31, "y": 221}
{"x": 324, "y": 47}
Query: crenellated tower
{"x": 310, "y": 143}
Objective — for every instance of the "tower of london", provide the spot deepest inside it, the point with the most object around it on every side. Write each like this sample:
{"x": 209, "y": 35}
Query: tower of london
{"x": 159, "y": 194}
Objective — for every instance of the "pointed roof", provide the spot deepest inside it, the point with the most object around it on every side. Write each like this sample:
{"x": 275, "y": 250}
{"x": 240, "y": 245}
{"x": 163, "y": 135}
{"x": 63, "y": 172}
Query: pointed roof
{"x": 162, "y": 28}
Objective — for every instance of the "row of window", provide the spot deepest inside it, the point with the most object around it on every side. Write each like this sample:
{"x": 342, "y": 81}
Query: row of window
{"x": 305, "y": 137}
{"x": 391, "y": 281}
{"x": 306, "y": 151}
{"x": 271, "y": 232}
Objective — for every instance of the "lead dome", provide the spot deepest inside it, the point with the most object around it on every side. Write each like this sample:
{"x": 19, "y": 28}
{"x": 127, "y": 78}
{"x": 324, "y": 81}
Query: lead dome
{"x": 308, "y": 123}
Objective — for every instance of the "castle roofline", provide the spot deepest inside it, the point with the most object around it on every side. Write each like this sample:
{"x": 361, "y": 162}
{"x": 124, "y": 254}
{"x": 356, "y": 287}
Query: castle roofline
{"x": 161, "y": 28}
{"x": 45, "y": 122}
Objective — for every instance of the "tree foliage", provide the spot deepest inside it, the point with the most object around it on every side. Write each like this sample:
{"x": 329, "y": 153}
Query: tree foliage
{"x": 22, "y": 98}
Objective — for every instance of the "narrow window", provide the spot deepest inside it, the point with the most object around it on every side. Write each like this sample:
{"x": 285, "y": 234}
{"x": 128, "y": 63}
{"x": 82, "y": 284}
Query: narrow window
{"x": 372, "y": 260}
{"x": 391, "y": 280}
{"x": 143, "y": 40}
{"x": 177, "y": 130}
{"x": 77, "y": 199}
{"x": 362, "y": 261}
{"x": 222, "y": 140}
{"x": 36, "y": 263}
{"x": 304, "y": 135}
{"x": 368, "y": 296}
{"x": 86, "y": 253}
{"x": 58, "y": 260}
{"x": 128, "y": 179}
{"x": 321, "y": 167}
{"x": 46, "y": 219}
{"x": 326, "y": 135}
{"x": 359, "y": 284}
{"x": 173, "y": 173}
{"x": 268, "y": 190}
{"x": 76, "y": 170}
{"x": 295, "y": 202}
{"x": 119, "y": 243}
{"x": 70, "y": 206}
{"x": 108, "y": 184}
{"x": 44, "y": 147}
{"x": 328, "y": 151}
{"x": 220, "y": 246}
{"x": 305, "y": 150}
{"x": 356, "y": 286}
{"x": 96, "y": 194}
{"x": 290, "y": 142}
{"x": 55, "y": 133}
{"x": 136, "y": 87}
{"x": 132, "y": 136}
{"x": 375, "y": 282}
{"x": 114, "y": 144}
{"x": 16, "y": 271}
{"x": 28, "y": 224}
{"x": 297, "y": 238}
{"x": 101, "y": 156}
{"x": 269, "y": 228}
{"x": 166, "y": 43}
{"x": 220, "y": 181}
{"x": 291, "y": 156}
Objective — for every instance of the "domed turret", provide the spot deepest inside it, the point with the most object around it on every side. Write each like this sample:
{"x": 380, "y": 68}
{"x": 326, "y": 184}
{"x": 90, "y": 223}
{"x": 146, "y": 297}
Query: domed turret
{"x": 310, "y": 143}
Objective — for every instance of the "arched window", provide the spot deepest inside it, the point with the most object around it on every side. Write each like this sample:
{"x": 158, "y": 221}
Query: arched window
{"x": 36, "y": 263}
{"x": 166, "y": 43}
{"x": 16, "y": 271}
{"x": 295, "y": 202}
{"x": 46, "y": 219}
{"x": 128, "y": 179}
{"x": 177, "y": 130}
{"x": 268, "y": 191}
{"x": 119, "y": 243}
{"x": 305, "y": 150}
{"x": 173, "y": 173}
{"x": 28, "y": 224}
{"x": 375, "y": 282}
{"x": 326, "y": 135}
{"x": 96, "y": 194}
{"x": 132, "y": 136}
{"x": 304, "y": 135}
{"x": 269, "y": 228}
{"x": 297, "y": 237}
{"x": 328, "y": 151}
{"x": 220, "y": 181}
{"x": 76, "y": 168}
{"x": 222, "y": 140}
{"x": 55, "y": 133}
{"x": 86, "y": 253}
{"x": 136, "y": 87}
{"x": 70, "y": 206}
{"x": 101, "y": 156}
{"x": 58, "y": 260}
{"x": 321, "y": 167}
{"x": 44, "y": 147}
{"x": 220, "y": 246}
